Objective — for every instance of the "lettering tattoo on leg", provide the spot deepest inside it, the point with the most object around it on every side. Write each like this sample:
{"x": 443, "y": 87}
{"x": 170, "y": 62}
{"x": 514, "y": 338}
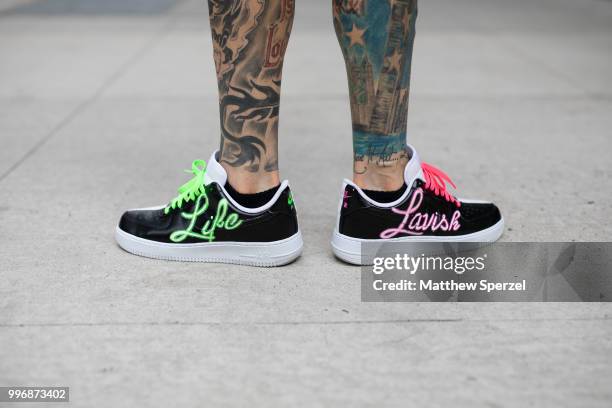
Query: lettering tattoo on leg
{"x": 376, "y": 37}
{"x": 249, "y": 42}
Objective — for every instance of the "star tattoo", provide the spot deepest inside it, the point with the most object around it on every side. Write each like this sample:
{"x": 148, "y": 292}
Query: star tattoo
{"x": 356, "y": 36}
{"x": 395, "y": 61}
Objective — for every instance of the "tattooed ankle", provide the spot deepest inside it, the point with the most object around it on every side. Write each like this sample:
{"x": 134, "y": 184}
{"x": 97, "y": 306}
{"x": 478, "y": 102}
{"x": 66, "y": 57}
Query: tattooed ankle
{"x": 376, "y": 38}
{"x": 249, "y": 41}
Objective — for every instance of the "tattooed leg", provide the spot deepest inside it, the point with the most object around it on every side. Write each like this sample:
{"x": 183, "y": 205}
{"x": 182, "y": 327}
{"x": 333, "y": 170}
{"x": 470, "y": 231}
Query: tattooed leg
{"x": 376, "y": 37}
{"x": 249, "y": 40}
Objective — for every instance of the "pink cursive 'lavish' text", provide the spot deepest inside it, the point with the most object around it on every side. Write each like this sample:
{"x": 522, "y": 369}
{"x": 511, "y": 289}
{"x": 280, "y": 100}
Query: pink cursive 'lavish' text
{"x": 417, "y": 223}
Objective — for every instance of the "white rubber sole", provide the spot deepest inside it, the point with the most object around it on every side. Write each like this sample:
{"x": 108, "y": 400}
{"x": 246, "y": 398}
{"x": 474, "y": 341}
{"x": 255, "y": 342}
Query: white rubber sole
{"x": 349, "y": 249}
{"x": 275, "y": 253}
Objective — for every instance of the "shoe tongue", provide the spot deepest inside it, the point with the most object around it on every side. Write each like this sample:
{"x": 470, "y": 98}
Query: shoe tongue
{"x": 413, "y": 168}
{"x": 215, "y": 173}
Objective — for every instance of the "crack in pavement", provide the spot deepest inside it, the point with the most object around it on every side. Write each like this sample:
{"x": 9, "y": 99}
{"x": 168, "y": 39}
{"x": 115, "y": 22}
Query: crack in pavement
{"x": 297, "y": 323}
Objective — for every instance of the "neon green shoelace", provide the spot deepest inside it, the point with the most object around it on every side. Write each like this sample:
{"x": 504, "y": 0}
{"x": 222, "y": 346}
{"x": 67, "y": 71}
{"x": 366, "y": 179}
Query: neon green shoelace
{"x": 191, "y": 189}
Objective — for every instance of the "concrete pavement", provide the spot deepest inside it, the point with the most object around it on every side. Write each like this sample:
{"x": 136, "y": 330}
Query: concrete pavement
{"x": 102, "y": 106}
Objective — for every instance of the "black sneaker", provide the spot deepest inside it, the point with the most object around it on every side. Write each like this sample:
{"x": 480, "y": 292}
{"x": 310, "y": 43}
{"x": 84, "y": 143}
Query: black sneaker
{"x": 205, "y": 224}
{"x": 426, "y": 212}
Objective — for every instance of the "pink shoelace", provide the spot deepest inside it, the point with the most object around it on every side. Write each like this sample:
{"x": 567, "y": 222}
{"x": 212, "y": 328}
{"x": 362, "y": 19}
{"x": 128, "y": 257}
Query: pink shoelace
{"x": 435, "y": 181}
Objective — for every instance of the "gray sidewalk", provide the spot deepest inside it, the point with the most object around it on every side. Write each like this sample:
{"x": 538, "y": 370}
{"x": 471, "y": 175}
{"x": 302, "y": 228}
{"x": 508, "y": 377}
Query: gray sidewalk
{"x": 103, "y": 105}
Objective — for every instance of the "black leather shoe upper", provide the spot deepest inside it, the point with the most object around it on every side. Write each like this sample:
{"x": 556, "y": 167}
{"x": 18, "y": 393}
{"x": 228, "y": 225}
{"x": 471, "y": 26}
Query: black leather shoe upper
{"x": 420, "y": 213}
{"x": 213, "y": 218}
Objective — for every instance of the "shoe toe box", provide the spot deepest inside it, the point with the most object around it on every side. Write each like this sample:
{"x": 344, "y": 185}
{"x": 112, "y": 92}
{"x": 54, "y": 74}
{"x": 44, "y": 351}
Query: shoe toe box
{"x": 480, "y": 215}
{"x": 142, "y": 223}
